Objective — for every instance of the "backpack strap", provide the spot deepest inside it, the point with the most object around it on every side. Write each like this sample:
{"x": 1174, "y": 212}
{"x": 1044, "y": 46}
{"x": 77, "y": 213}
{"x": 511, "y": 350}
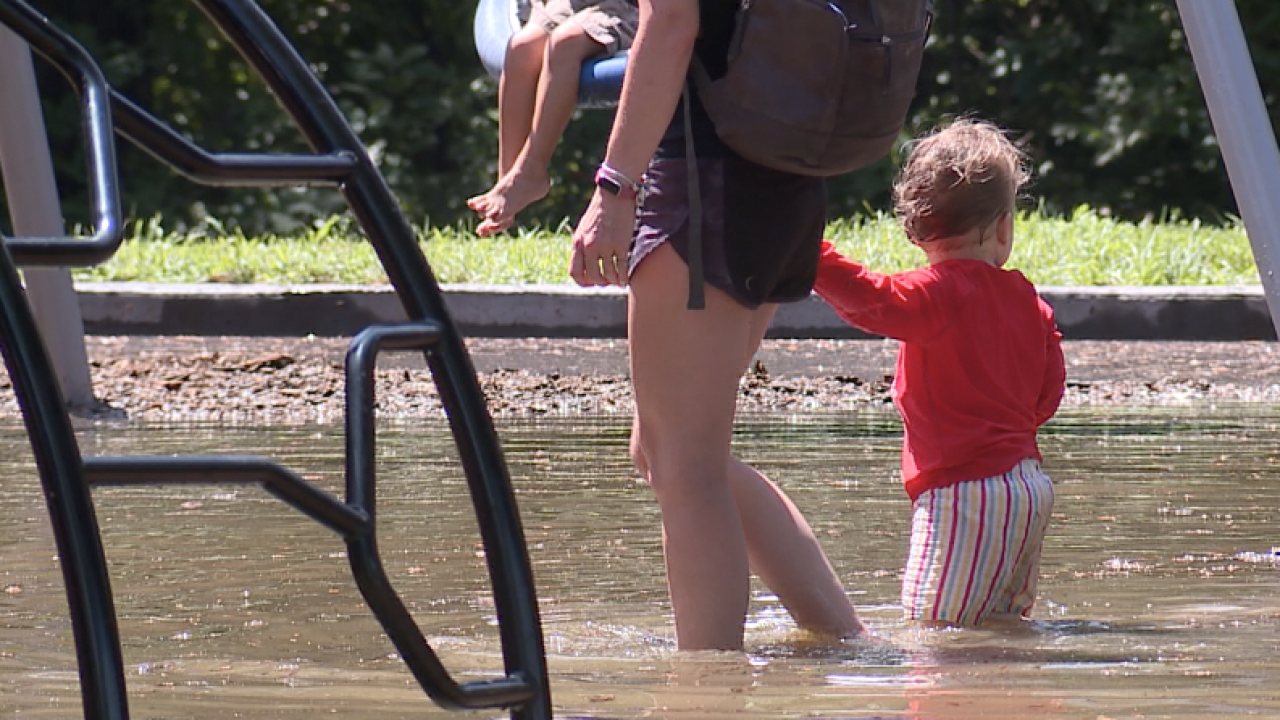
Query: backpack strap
{"x": 697, "y": 298}
{"x": 698, "y": 73}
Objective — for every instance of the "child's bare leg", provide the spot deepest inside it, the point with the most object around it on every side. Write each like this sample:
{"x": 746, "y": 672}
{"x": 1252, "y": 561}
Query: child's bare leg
{"x": 528, "y": 180}
{"x": 517, "y": 97}
{"x": 518, "y": 93}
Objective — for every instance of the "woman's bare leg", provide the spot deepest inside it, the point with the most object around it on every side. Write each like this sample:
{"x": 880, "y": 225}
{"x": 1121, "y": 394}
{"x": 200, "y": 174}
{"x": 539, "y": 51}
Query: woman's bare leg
{"x": 684, "y": 367}
{"x": 787, "y": 556}
{"x": 783, "y": 549}
{"x": 528, "y": 180}
{"x": 781, "y": 545}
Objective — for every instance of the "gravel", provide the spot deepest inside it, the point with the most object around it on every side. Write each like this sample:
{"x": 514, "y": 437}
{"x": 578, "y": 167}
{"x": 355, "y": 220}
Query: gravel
{"x": 301, "y": 380}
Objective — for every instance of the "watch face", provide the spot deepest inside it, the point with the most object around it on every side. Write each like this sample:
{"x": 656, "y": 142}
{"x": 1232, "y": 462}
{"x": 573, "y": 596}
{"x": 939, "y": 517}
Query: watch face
{"x": 609, "y": 185}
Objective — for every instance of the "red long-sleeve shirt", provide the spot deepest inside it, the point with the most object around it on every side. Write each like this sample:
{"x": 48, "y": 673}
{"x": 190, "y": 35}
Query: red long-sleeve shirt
{"x": 979, "y": 367}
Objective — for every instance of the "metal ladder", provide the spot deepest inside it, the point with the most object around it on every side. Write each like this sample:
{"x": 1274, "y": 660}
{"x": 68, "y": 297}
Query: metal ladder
{"x": 339, "y": 159}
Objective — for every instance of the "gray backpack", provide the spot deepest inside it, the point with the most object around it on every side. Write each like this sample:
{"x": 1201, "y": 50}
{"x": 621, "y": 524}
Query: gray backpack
{"x": 812, "y": 87}
{"x": 817, "y": 87}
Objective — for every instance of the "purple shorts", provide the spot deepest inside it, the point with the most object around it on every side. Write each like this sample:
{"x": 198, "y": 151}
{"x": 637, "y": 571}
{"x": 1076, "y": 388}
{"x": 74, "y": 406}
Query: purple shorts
{"x": 761, "y": 229}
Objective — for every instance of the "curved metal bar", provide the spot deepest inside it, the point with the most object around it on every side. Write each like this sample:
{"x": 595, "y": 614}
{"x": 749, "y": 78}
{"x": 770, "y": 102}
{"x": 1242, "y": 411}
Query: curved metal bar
{"x": 361, "y": 361}
{"x": 353, "y": 520}
{"x": 362, "y": 550}
{"x": 517, "y": 690}
{"x": 356, "y": 527}
{"x": 306, "y": 100}
{"x": 525, "y": 689}
{"x": 79, "y": 67}
{"x": 190, "y": 469}
{"x": 100, "y": 104}
{"x": 226, "y": 169}
{"x": 75, "y": 527}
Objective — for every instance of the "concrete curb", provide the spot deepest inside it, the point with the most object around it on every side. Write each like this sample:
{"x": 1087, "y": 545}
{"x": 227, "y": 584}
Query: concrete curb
{"x": 1167, "y": 313}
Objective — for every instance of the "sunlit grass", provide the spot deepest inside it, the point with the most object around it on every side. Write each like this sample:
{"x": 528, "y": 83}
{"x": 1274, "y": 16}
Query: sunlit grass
{"x": 524, "y": 256}
{"x": 1089, "y": 250}
{"x": 1086, "y": 249}
{"x": 329, "y": 252}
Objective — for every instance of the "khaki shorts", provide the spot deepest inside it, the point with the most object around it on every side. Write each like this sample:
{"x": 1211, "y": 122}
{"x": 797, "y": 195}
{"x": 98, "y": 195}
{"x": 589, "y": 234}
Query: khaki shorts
{"x": 612, "y": 23}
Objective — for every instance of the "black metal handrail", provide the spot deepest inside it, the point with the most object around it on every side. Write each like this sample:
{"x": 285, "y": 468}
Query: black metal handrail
{"x": 232, "y": 169}
{"x": 100, "y": 105}
{"x": 339, "y": 158}
{"x": 95, "y": 98}
{"x": 362, "y": 550}
{"x": 75, "y": 527}
{"x": 354, "y": 520}
{"x": 100, "y": 470}
{"x": 351, "y": 521}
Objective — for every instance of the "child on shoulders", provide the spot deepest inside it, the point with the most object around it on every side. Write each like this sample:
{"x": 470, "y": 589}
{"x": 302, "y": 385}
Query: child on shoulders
{"x": 537, "y": 94}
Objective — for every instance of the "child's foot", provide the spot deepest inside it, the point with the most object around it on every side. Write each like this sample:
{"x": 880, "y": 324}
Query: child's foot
{"x": 490, "y": 227}
{"x": 516, "y": 191}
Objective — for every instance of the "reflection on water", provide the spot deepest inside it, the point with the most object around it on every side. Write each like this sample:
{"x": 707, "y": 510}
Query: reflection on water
{"x": 1159, "y": 595}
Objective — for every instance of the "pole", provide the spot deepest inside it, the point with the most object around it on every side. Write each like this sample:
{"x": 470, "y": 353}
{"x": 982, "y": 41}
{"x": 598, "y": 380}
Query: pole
{"x": 1239, "y": 115}
{"x": 35, "y": 211}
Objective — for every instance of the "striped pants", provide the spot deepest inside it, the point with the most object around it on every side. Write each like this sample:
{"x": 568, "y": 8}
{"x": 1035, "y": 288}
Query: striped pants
{"x": 975, "y": 548}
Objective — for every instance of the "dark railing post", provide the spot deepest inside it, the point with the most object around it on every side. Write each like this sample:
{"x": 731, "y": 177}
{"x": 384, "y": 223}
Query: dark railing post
{"x": 75, "y": 527}
{"x": 325, "y": 127}
{"x": 340, "y": 159}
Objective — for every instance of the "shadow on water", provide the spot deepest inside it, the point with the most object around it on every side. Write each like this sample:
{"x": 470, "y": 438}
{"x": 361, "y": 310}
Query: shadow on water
{"x": 1158, "y": 591}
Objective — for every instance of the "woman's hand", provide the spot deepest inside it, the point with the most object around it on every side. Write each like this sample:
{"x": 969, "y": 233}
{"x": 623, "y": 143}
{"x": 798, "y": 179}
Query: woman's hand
{"x": 656, "y": 68}
{"x": 602, "y": 241}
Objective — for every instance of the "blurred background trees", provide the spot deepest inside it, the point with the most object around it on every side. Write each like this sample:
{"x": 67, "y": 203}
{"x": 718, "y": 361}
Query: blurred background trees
{"x": 1103, "y": 93}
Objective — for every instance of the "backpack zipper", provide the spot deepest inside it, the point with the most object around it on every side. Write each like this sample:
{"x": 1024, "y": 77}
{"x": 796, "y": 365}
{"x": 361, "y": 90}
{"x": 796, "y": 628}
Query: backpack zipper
{"x": 839, "y": 11}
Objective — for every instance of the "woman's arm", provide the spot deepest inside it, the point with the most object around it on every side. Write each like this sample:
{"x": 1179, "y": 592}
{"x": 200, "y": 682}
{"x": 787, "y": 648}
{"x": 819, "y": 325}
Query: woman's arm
{"x": 656, "y": 68}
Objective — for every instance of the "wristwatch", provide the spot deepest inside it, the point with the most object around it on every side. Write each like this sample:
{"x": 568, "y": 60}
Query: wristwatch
{"x": 614, "y": 182}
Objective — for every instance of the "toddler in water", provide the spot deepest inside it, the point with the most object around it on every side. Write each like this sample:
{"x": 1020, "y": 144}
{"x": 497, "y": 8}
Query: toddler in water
{"x": 979, "y": 370}
{"x": 538, "y": 92}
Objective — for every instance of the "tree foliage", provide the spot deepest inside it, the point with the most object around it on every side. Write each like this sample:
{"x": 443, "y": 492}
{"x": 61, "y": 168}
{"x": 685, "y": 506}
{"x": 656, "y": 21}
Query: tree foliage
{"x": 1103, "y": 93}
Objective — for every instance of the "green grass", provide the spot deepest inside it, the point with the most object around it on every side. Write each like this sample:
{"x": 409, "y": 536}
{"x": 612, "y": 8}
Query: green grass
{"x": 1086, "y": 249}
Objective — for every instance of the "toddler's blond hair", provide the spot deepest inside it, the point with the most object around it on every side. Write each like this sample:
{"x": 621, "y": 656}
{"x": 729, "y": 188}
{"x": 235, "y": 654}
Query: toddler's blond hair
{"x": 960, "y": 177}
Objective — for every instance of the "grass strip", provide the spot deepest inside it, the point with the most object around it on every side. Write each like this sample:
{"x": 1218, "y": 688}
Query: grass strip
{"x": 1085, "y": 249}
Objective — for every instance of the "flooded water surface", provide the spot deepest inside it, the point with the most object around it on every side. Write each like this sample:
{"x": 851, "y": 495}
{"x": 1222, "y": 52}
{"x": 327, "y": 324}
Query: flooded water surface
{"x": 1160, "y": 589}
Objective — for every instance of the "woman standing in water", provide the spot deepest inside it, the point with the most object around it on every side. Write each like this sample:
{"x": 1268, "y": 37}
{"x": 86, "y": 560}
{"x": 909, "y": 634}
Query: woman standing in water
{"x": 761, "y": 233}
